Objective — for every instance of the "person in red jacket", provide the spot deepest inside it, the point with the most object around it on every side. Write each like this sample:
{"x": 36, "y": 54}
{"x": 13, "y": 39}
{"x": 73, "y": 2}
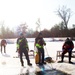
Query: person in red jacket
{"x": 67, "y": 47}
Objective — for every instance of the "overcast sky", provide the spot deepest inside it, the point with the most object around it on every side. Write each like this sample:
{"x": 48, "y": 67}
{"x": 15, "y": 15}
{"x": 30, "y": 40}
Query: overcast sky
{"x": 16, "y": 12}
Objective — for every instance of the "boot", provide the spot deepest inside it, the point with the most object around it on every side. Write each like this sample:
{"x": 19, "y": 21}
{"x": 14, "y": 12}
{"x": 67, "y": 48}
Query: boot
{"x": 22, "y": 64}
{"x": 62, "y": 57}
{"x": 29, "y": 64}
{"x": 44, "y": 62}
{"x": 40, "y": 64}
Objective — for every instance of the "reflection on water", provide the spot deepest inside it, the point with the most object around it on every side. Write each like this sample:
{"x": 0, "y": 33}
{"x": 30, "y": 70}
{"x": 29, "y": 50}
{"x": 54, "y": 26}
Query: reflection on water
{"x": 42, "y": 72}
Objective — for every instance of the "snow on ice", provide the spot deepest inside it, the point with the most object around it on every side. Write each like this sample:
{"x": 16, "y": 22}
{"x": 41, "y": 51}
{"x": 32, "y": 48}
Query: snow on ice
{"x": 11, "y": 66}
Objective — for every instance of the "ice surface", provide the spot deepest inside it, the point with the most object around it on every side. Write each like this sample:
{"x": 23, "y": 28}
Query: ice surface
{"x": 12, "y": 66}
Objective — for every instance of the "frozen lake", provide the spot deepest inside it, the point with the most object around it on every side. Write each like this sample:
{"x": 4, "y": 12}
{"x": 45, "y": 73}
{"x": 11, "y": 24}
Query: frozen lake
{"x": 50, "y": 48}
{"x": 11, "y": 66}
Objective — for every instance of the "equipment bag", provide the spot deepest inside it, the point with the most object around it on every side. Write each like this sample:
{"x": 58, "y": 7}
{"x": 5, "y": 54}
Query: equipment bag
{"x": 37, "y": 58}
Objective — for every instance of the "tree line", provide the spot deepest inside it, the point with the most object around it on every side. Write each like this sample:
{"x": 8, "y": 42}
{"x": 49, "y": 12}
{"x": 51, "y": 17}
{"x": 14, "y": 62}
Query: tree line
{"x": 58, "y": 30}
{"x": 53, "y": 32}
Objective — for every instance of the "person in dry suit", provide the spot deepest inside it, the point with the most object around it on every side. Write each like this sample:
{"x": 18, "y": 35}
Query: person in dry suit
{"x": 22, "y": 47}
{"x": 39, "y": 43}
{"x": 67, "y": 47}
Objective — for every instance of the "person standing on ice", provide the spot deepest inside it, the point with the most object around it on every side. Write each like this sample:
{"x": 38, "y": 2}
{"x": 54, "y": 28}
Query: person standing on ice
{"x": 39, "y": 43}
{"x": 22, "y": 47}
{"x": 67, "y": 47}
{"x": 3, "y": 44}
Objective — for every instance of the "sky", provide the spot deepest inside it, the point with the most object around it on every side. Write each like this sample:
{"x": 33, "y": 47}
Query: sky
{"x": 16, "y": 12}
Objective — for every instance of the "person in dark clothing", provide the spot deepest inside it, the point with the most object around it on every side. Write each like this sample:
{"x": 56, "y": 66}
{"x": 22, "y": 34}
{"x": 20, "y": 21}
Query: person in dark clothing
{"x": 67, "y": 47}
{"x": 22, "y": 47}
{"x": 3, "y": 44}
{"x": 39, "y": 43}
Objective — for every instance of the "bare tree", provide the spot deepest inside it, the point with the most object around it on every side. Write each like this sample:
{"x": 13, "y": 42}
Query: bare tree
{"x": 38, "y": 28}
{"x": 22, "y": 28}
{"x": 65, "y": 14}
{"x": 73, "y": 25}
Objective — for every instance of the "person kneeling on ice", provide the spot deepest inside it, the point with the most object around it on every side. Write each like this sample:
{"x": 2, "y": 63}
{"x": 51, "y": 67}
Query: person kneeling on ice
{"x": 67, "y": 47}
{"x": 39, "y": 43}
{"x": 22, "y": 47}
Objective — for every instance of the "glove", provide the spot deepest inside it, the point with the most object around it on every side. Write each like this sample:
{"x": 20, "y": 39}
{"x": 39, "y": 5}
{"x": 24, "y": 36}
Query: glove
{"x": 27, "y": 49}
{"x": 44, "y": 43}
{"x": 18, "y": 50}
{"x": 70, "y": 49}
